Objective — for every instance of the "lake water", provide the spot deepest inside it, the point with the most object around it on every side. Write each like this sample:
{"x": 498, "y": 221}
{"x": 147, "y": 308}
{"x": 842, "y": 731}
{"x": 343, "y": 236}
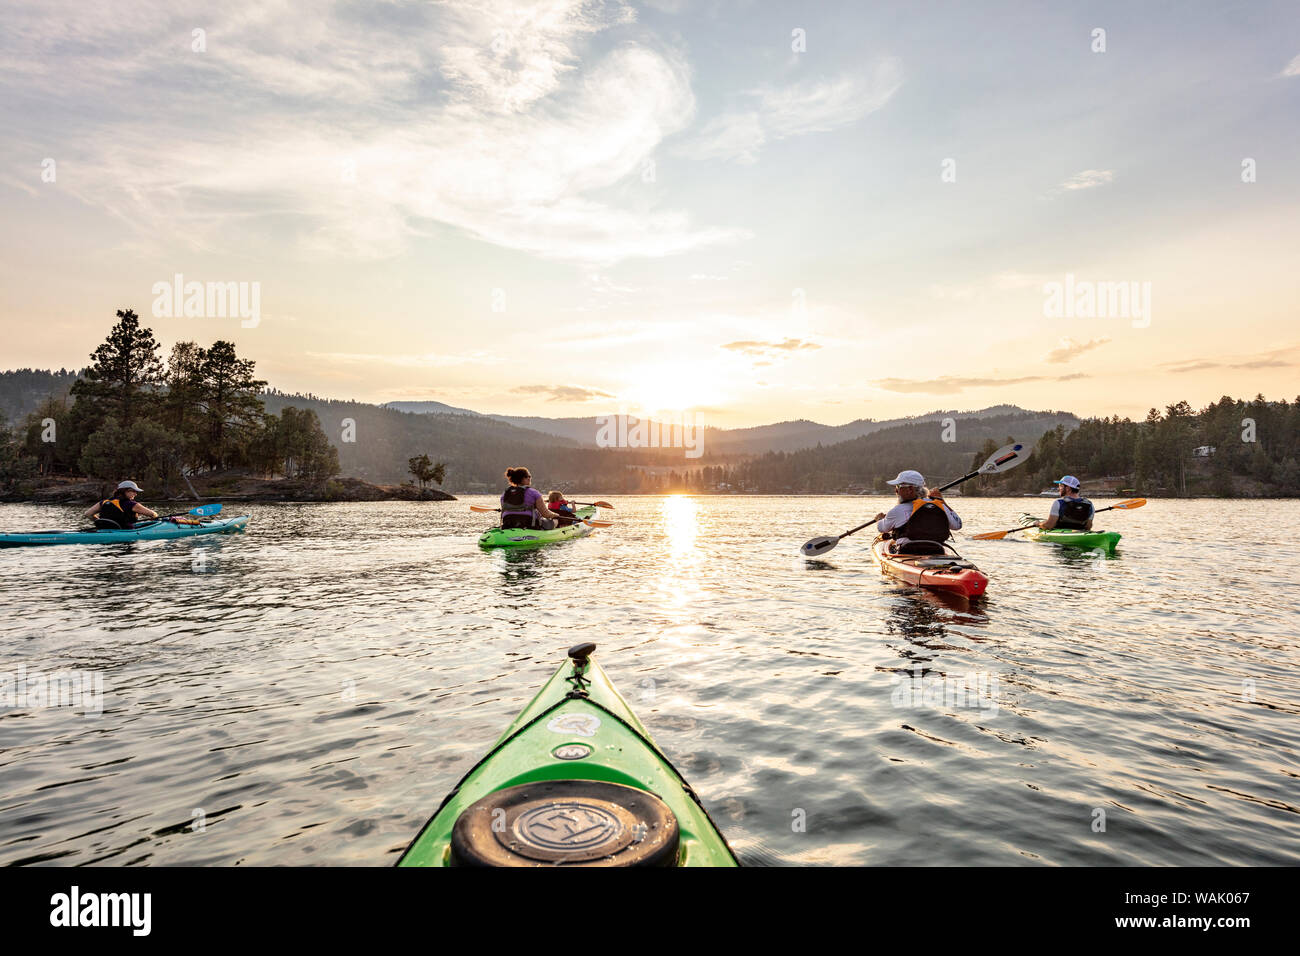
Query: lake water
{"x": 307, "y": 692}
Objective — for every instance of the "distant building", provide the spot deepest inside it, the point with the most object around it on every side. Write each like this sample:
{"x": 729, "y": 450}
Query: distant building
{"x": 1205, "y": 451}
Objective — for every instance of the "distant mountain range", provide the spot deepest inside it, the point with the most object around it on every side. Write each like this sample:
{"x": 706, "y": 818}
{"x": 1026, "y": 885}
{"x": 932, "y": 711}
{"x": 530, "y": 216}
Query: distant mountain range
{"x": 780, "y": 436}
{"x": 563, "y": 452}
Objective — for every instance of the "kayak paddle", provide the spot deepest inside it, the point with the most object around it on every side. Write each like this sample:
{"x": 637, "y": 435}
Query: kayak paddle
{"x": 1004, "y": 459}
{"x": 591, "y": 521}
{"x": 999, "y": 535}
{"x": 202, "y": 511}
{"x": 592, "y": 504}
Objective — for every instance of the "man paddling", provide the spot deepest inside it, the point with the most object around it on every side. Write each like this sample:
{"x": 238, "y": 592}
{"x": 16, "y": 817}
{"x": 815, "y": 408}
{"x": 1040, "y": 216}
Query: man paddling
{"x": 921, "y": 521}
{"x": 122, "y": 508}
{"x": 1070, "y": 511}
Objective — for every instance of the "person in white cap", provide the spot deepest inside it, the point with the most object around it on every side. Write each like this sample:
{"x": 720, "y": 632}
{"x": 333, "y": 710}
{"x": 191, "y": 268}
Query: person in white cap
{"x": 921, "y": 521}
{"x": 1071, "y": 510}
{"x": 122, "y": 508}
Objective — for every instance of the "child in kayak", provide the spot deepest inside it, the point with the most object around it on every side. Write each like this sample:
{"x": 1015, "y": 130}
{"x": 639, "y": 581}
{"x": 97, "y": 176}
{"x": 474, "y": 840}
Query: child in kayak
{"x": 921, "y": 521}
{"x": 522, "y": 505}
{"x": 121, "y": 509}
{"x": 1071, "y": 511}
{"x": 555, "y": 502}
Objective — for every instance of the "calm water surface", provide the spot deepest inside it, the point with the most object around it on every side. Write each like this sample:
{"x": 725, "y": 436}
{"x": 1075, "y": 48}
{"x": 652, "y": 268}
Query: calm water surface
{"x": 307, "y": 692}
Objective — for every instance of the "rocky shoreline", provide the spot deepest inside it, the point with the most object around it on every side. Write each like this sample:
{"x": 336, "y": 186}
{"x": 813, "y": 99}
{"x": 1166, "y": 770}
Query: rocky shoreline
{"x": 229, "y": 488}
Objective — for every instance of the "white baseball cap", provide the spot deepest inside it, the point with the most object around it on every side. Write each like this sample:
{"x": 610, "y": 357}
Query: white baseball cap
{"x": 128, "y": 486}
{"x": 908, "y": 478}
{"x": 1069, "y": 481}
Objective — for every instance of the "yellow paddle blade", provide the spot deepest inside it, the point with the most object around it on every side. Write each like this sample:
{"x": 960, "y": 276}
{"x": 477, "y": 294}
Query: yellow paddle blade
{"x": 1131, "y": 503}
{"x": 481, "y": 508}
{"x": 991, "y": 535}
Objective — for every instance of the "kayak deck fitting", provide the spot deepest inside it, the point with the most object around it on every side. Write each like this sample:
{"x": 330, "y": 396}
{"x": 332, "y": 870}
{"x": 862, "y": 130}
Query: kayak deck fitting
{"x": 1093, "y": 540}
{"x": 574, "y": 781}
{"x": 939, "y": 572}
{"x": 533, "y": 537}
{"x": 147, "y": 531}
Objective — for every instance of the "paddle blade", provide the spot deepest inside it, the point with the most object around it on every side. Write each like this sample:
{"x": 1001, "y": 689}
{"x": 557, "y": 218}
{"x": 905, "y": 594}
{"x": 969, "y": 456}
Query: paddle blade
{"x": 603, "y": 504}
{"x": 599, "y": 524}
{"x": 999, "y": 535}
{"x": 818, "y": 546}
{"x": 206, "y": 511}
{"x": 1131, "y": 503}
{"x": 481, "y": 508}
{"x": 1005, "y": 458}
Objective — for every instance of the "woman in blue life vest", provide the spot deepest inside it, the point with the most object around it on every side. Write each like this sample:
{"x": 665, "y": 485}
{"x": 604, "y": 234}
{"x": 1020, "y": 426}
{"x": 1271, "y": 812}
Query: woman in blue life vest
{"x": 921, "y": 521}
{"x": 121, "y": 509}
{"x": 1071, "y": 511}
{"x": 522, "y": 505}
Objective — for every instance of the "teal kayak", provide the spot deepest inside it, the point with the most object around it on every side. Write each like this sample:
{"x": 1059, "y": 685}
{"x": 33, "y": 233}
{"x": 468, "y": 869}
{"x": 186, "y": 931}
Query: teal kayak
{"x": 1092, "y": 540}
{"x": 146, "y": 531}
{"x": 574, "y": 781}
{"x": 535, "y": 537}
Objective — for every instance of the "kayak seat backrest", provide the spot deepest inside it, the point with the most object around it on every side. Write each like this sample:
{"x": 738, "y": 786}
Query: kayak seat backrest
{"x": 921, "y": 547}
{"x": 107, "y": 524}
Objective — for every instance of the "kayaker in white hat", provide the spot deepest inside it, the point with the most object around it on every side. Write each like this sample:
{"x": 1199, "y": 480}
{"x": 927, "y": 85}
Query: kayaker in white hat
{"x": 122, "y": 508}
{"x": 1070, "y": 511}
{"x": 921, "y": 521}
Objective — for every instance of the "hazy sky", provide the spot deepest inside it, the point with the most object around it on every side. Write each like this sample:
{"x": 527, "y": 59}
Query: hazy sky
{"x": 762, "y": 210}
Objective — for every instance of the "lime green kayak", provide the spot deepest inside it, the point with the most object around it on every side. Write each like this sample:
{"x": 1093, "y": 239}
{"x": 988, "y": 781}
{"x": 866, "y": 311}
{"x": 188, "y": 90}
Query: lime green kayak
{"x": 534, "y": 537}
{"x": 574, "y": 781}
{"x": 1092, "y": 540}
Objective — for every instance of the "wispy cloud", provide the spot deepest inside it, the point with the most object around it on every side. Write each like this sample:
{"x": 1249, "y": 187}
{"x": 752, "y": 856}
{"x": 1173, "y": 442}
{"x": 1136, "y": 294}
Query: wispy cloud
{"x": 427, "y": 360}
{"x": 1285, "y": 357}
{"x": 1069, "y": 349}
{"x": 776, "y": 113}
{"x": 563, "y": 393}
{"x": 1089, "y": 179}
{"x": 1292, "y": 68}
{"x": 504, "y": 122}
{"x": 951, "y": 385}
{"x": 770, "y": 349}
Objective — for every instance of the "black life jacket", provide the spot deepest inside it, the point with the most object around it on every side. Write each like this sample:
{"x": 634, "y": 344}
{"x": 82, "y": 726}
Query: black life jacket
{"x": 1074, "y": 513}
{"x": 118, "y": 509}
{"x": 929, "y": 522}
{"x": 514, "y": 500}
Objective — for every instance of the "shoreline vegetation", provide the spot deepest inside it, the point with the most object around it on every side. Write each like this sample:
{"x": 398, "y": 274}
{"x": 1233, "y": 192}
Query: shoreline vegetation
{"x": 233, "y": 488}
{"x": 201, "y": 426}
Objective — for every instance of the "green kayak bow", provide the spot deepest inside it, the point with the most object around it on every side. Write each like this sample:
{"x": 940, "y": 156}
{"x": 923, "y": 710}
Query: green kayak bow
{"x": 574, "y": 781}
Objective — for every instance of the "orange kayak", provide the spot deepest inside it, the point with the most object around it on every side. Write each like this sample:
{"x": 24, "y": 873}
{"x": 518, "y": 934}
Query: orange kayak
{"x": 940, "y": 572}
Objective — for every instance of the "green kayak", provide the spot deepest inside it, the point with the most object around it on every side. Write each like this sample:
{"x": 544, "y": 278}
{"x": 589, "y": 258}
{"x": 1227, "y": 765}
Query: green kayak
{"x": 146, "y": 531}
{"x": 574, "y": 781}
{"x": 534, "y": 537}
{"x": 1092, "y": 540}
